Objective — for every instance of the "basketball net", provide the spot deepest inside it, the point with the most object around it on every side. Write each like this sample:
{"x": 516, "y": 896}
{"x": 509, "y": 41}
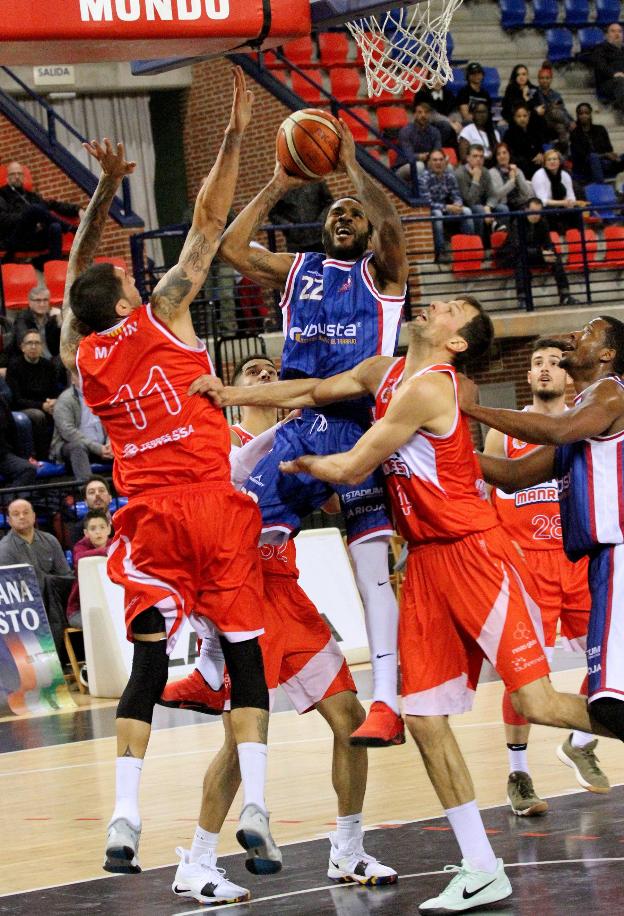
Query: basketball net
{"x": 405, "y": 48}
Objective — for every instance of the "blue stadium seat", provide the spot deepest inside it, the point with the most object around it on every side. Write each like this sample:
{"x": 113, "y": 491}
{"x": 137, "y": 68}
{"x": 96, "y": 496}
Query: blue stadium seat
{"x": 602, "y": 195}
{"x": 590, "y": 37}
{"x": 50, "y": 469}
{"x": 608, "y": 11}
{"x": 545, "y": 13}
{"x": 576, "y": 12}
{"x": 491, "y": 81}
{"x": 24, "y": 446}
{"x": 116, "y": 503}
{"x": 459, "y": 79}
{"x": 512, "y": 13}
{"x": 560, "y": 43}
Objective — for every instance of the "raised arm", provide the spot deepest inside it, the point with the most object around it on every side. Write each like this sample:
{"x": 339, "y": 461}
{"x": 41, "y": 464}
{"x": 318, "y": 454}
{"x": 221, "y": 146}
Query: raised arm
{"x": 177, "y": 289}
{"x": 115, "y": 167}
{"x": 594, "y": 416}
{"x": 388, "y": 242}
{"x": 268, "y": 269}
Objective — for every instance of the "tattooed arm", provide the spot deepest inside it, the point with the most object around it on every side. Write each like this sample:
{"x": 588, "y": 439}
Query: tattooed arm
{"x": 267, "y": 268}
{"x": 114, "y": 168}
{"x": 176, "y": 291}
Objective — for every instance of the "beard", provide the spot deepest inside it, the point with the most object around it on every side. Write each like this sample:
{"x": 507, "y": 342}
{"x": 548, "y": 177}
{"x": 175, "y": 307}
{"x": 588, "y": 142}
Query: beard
{"x": 548, "y": 395}
{"x": 353, "y": 252}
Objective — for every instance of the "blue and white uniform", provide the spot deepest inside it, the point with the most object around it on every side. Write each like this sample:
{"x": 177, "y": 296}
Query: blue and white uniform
{"x": 590, "y": 477}
{"x": 333, "y": 318}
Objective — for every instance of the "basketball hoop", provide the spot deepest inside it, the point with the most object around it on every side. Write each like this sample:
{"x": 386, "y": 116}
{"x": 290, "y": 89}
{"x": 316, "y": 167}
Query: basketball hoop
{"x": 405, "y": 48}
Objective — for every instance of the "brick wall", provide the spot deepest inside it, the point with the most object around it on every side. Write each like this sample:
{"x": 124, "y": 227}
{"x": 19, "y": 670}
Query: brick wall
{"x": 52, "y": 182}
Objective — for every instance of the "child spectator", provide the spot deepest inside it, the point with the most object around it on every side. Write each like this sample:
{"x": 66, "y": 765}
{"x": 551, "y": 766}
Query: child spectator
{"x": 95, "y": 543}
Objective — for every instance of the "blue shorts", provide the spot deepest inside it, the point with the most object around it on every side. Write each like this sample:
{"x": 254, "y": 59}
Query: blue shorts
{"x": 605, "y": 637}
{"x": 285, "y": 499}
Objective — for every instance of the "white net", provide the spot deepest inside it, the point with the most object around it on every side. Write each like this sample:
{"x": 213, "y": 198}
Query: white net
{"x": 405, "y": 48}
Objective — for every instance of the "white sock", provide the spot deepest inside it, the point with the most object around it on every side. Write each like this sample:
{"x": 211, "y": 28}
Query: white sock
{"x": 252, "y": 759}
{"x": 470, "y": 834}
{"x": 517, "y": 754}
{"x": 370, "y": 561}
{"x": 127, "y": 780}
{"x": 347, "y": 828}
{"x": 203, "y": 842}
{"x": 580, "y": 739}
{"x": 211, "y": 663}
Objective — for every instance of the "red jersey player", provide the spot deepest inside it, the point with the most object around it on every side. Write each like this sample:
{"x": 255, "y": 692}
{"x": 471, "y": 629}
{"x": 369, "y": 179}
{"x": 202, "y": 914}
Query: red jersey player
{"x": 186, "y": 542}
{"x": 531, "y": 518}
{"x": 464, "y": 596}
{"x": 300, "y": 654}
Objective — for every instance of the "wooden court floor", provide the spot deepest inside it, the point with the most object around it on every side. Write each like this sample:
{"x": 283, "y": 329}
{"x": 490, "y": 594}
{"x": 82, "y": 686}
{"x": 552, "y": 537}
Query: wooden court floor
{"x": 56, "y": 800}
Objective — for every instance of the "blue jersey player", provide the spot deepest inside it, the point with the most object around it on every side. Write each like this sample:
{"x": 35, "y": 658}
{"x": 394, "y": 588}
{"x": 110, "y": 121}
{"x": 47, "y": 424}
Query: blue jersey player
{"x": 339, "y": 307}
{"x": 587, "y": 459}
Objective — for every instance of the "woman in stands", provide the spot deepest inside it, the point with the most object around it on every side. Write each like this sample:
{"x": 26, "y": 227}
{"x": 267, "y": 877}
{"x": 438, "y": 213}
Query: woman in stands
{"x": 481, "y": 131}
{"x": 519, "y": 90}
{"x": 510, "y": 185}
{"x": 553, "y": 185}
{"x": 525, "y": 138}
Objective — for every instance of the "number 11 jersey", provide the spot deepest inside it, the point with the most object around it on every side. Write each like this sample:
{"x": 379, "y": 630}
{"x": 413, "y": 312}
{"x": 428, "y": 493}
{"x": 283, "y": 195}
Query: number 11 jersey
{"x": 135, "y": 377}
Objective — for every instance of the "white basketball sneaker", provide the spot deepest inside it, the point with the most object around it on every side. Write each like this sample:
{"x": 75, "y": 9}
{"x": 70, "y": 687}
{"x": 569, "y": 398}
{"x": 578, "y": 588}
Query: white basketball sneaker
{"x": 254, "y": 835}
{"x": 351, "y": 863}
{"x": 204, "y": 882}
{"x": 469, "y": 889}
{"x": 122, "y": 848}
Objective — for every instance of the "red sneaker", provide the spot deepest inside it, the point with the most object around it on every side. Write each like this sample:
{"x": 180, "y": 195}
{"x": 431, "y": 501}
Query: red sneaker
{"x": 381, "y": 728}
{"x": 193, "y": 692}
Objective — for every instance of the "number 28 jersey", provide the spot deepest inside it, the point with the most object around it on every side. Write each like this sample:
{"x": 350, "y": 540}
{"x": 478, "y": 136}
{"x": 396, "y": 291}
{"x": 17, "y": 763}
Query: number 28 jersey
{"x": 531, "y": 516}
{"x": 135, "y": 377}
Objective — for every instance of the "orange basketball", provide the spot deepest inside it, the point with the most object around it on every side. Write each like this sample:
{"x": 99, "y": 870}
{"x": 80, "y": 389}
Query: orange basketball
{"x": 308, "y": 143}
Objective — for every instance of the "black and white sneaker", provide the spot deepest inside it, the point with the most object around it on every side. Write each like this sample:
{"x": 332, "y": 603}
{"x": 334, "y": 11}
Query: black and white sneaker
{"x": 351, "y": 863}
{"x": 204, "y": 882}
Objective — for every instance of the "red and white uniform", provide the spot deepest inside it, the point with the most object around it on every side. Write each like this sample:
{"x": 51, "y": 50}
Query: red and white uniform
{"x": 186, "y": 541}
{"x": 531, "y": 518}
{"x": 464, "y": 597}
{"x": 298, "y": 649}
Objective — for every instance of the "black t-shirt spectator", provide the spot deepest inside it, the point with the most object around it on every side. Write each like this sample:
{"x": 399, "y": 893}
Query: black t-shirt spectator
{"x": 524, "y": 145}
{"x": 31, "y": 383}
{"x": 468, "y": 96}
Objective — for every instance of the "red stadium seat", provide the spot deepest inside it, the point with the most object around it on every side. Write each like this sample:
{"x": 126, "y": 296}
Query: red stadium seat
{"x": 451, "y": 155}
{"x": 334, "y": 48}
{"x": 345, "y": 85}
{"x": 360, "y": 132}
{"x": 55, "y": 274}
{"x": 575, "y": 249}
{"x": 307, "y": 91}
{"x": 392, "y": 117}
{"x": 555, "y": 238}
{"x": 614, "y": 255}
{"x": 467, "y": 254}
{"x": 300, "y": 51}
{"x": 17, "y": 281}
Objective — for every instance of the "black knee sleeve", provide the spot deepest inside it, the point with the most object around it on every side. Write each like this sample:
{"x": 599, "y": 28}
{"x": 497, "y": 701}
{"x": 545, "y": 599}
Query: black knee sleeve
{"x": 246, "y": 670}
{"x": 150, "y": 668}
{"x": 610, "y": 713}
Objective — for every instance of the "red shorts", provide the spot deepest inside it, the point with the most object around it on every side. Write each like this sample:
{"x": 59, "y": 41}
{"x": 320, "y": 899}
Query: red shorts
{"x": 298, "y": 649}
{"x": 463, "y": 601}
{"x": 191, "y": 551}
{"x": 562, "y": 592}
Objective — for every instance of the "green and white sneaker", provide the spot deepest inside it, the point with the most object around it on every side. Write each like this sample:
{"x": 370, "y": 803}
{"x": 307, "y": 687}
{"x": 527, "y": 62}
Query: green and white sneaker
{"x": 522, "y": 796}
{"x": 584, "y": 762}
{"x": 469, "y": 889}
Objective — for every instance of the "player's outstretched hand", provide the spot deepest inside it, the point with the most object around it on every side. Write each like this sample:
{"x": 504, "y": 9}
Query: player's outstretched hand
{"x": 467, "y": 393}
{"x": 112, "y": 159}
{"x": 346, "y": 158}
{"x": 288, "y": 181}
{"x": 242, "y": 103}
{"x": 209, "y": 386}
{"x": 297, "y": 466}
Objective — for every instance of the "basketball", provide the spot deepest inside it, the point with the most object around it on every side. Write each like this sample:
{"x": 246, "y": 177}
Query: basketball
{"x": 308, "y": 143}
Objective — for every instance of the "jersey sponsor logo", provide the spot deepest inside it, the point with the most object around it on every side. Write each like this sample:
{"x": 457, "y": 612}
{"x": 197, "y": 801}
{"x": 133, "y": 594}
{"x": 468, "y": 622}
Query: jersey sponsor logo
{"x": 257, "y": 480}
{"x": 518, "y": 444}
{"x": 394, "y": 466}
{"x": 593, "y": 651}
{"x": 164, "y": 10}
{"x": 130, "y": 450}
{"x": 346, "y": 286}
{"x": 539, "y": 494}
{"x": 365, "y": 493}
{"x": 563, "y": 485}
{"x": 327, "y": 333}
{"x": 521, "y": 663}
{"x": 594, "y": 669}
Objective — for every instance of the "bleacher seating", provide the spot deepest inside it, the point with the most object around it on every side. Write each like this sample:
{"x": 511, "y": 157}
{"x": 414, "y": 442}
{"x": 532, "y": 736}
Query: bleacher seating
{"x": 513, "y": 13}
{"x": 604, "y": 197}
{"x": 345, "y": 84}
{"x": 608, "y": 11}
{"x": 491, "y": 81}
{"x": 576, "y": 13}
{"x": 614, "y": 253}
{"x": 545, "y": 13}
{"x": 392, "y": 117}
{"x": 360, "y": 131}
{"x": 334, "y": 49}
{"x": 309, "y": 92}
{"x": 560, "y": 42}
{"x": 17, "y": 280}
{"x": 589, "y": 37}
{"x": 55, "y": 274}
{"x": 575, "y": 249}
{"x": 467, "y": 254}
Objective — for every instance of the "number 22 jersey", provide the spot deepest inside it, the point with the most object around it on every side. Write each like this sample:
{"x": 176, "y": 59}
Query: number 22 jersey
{"x": 135, "y": 377}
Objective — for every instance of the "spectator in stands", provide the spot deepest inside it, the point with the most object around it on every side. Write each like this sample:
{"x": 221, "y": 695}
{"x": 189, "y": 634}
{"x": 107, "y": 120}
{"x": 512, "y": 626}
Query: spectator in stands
{"x": 444, "y": 114}
{"x": 520, "y": 91}
{"x": 79, "y": 436}
{"x": 481, "y": 131}
{"x": 16, "y": 471}
{"x": 477, "y": 191}
{"x": 33, "y": 381}
{"x": 533, "y": 242}
{"x": 25, "y": 544}
{"x": 510, "y": 185}
{"x": 305, "y": 204}
{"x": 439, "y": 189}
{"x": 97, "y": 495}
{"x": 39, "y": 317}
{"x": 94, "y": 543}
{"x": 472, "y": 92}
{"x": 28, "y": 222}
{"x": 417, "y": 140}
{"x": 608, "y": 61}
{"x": 553, "y": 186}
{"x": 559, "y": 122}
{"x": 525, "y": 139}
{"x": 593, "y": 157}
